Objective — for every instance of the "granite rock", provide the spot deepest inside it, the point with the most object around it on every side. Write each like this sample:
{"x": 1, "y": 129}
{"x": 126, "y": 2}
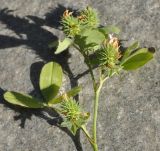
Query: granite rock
{"x": 129, "y": 108}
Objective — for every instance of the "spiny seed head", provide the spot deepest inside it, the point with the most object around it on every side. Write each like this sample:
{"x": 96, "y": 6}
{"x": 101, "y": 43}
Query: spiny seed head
{"x": 73, "y": 117}
{"x": 71, "y": 25}
{"x": 89, "y": 17}
{"x": 70, "y": 109}
{"x": 109, "y": 54}
{"x": 72, "y": 114}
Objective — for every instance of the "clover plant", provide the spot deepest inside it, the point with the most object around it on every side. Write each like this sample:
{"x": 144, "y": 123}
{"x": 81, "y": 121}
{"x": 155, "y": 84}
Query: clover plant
{"x": 101, "y": 49}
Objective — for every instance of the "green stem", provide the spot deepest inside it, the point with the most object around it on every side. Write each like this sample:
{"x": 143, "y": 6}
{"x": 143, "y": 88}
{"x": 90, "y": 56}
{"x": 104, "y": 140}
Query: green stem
{"x": 87, "y": 61}
{"x": 96, "y": 100}
{"x": 87, "y": 134}
{"x": 93, "y": 144}
{"x": 97, "y": 90}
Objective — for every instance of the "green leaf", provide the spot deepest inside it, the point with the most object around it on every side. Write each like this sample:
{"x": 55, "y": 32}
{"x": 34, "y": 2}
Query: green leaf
{"x": 138, "y": 59}
{"x": 63, "y": 45}
{"x": 72, "y": 128}
{"x": 89, "y": 39}
{"x": 66, "y": 123}
{"x": 22, "y": 100}
{"x": 110, "y": 29}
{"x": 53, "y": 44}
{"x": 81, "y": 43}
{"x": 130, "y": 49}
{"x": 50, "y": 80}
{"x": 93, "y": 36}
{"x": 70, "y": 93}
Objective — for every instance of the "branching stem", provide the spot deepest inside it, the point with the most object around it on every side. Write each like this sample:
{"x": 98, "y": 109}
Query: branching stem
{"x": 97, "y": 89}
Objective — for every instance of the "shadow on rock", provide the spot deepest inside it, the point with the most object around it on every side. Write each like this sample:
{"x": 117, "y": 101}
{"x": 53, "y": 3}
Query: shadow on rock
{"x": 30, "y": 32}
{"x": 2, "y": 101}
{"x": 56, "y": 120}
{"x": 49, "y": 115}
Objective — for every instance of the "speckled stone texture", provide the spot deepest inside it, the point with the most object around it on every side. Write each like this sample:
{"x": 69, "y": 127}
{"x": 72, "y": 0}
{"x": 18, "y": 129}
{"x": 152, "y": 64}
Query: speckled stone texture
{"x": 129, "y": 108}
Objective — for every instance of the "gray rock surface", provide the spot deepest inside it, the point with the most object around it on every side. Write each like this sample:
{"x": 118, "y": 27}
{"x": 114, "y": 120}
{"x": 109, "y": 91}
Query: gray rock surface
{"x": 129, "y": 109}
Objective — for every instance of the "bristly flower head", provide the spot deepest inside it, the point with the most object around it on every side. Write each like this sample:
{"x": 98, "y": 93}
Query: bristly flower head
{"x": 71, "y": 25}
{"x": 89, "y": 17}
{"x": 73, "y": 117}
{"x": 109, "y": 54}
